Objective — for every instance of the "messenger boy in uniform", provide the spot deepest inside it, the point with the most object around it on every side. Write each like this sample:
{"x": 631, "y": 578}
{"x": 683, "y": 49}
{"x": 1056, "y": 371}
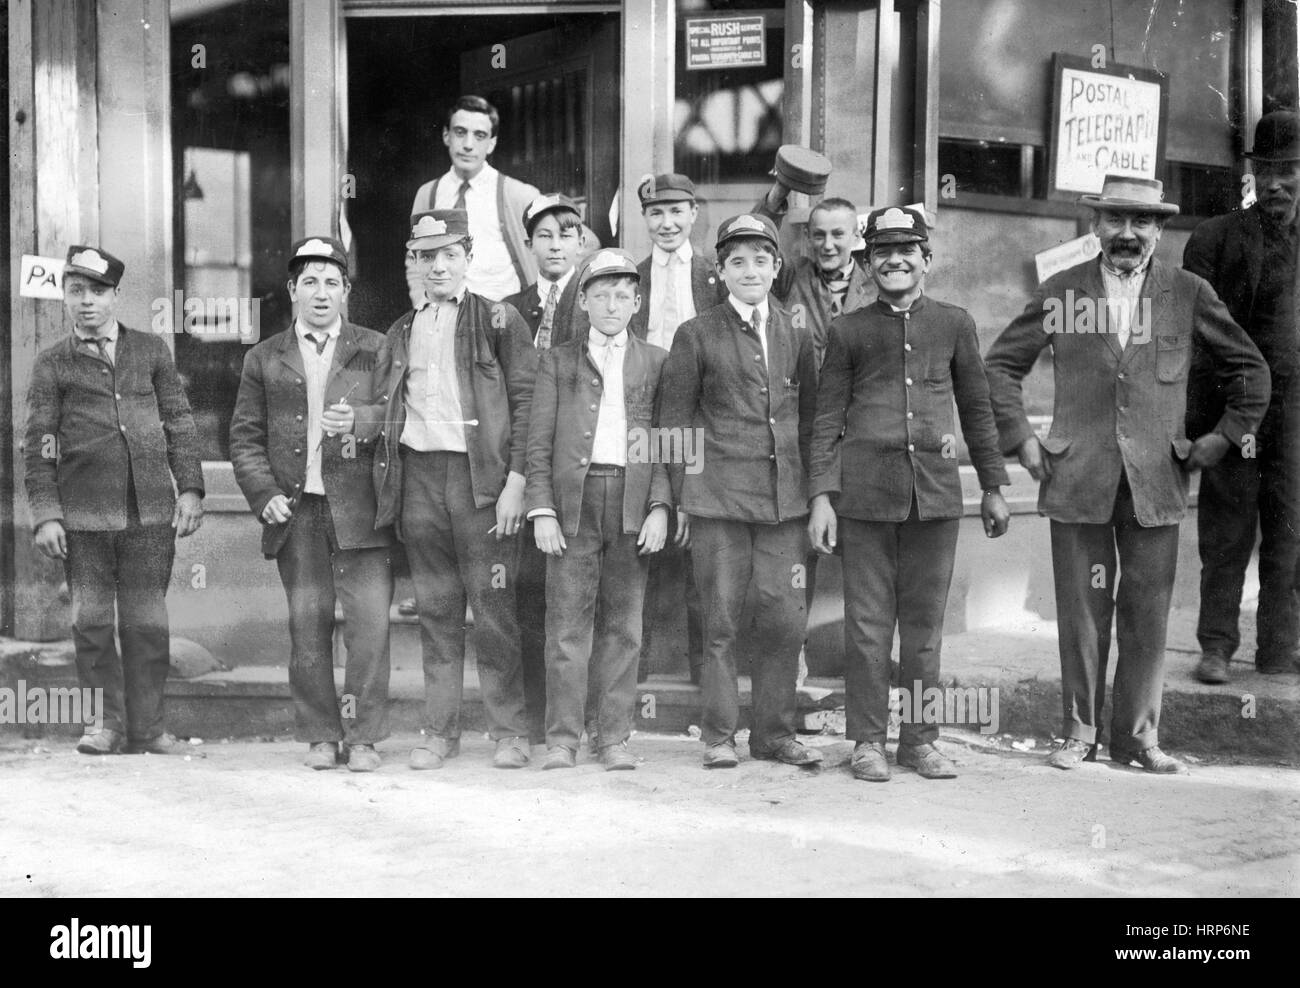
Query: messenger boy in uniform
{"x": 885, "y": 483}
{"x": 599, "y": 509}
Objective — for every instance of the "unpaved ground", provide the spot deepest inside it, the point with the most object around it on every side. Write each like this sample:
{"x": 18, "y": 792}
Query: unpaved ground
{"x": 243, "y": 818}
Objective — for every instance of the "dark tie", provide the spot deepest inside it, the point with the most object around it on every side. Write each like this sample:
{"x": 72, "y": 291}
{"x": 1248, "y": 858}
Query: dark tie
{"x": 548, "y": 318}
{"x": 460, "y": 196}
{"x": 756, "y": 320}
{"x": 321, "y": 341}
{"x": 100, "y": 343}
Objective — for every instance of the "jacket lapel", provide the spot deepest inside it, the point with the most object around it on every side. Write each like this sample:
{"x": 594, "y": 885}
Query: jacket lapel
{"x": 704, "y": 284}
{"x": 1094, "y": 287}
{"x": 1253, "y": 250}
{"x": 859, "y": 294}
{"x": 345, "y": 348}
{"x": 1155, "y": 293}
{"x": 289, "y": 350}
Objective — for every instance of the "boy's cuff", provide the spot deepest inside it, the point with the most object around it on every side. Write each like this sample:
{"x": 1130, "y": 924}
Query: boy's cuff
{"x": 542, "y": 513}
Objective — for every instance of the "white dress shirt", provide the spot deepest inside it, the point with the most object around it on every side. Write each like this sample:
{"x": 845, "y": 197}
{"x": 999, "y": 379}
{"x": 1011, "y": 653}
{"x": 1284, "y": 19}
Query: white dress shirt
{"x": 665, "y": 265}
{"x": 491, "y": 271}
{"x": 1123, "y": 292}
{"x": 316, "y": 368}
{"x": 433, "y": 412}
{"x": 109, "y": 332}
{"x": 746, "y": 313}
{"x": 608, "y": 353}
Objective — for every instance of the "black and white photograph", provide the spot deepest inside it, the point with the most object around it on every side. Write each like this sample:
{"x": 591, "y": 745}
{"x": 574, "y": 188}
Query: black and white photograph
{"x": 792, "y": 449}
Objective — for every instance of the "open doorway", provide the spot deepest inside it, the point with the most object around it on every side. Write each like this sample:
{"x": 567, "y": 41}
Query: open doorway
{"x": 555, "y": 82}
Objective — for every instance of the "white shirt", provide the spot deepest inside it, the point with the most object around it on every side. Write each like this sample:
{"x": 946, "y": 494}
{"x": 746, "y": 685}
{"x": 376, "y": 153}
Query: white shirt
{"x": 433, "y": 411}
{"x": 491, "y": 271}
{"x": 677, "y": 266}
{"x": 746, "y": 313}
{"x": 1123, "y": 292}
{"x": 316, "y": 368}
{"x": 608, "y": 353}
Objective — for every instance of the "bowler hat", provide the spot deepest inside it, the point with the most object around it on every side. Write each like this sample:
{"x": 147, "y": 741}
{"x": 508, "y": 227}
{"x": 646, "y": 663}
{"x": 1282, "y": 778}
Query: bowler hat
{"x": 802, "y": 169}
{"x": 1277, "y": 137}
{"x": 1125, "y": 194}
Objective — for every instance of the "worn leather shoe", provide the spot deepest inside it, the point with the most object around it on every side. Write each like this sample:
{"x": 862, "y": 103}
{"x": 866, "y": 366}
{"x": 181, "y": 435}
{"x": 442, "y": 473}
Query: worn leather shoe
{"x": 1276, "y": 665}
{"x": 322, "y": 755}
{"x": 617, "y": 758}
{"x": 434, "y": 753}
{"x": 869, "y": 762}
{"x": 511, "y": 753}
{"x": 1070, "y": 752}
{"x": 559, "y": 756}
{"x": 929, "y": 761}
{"x": 721, "y": 756}
{"x": 1213, "y": 668}
{"x": 159, "y": 744}
{"x": 105, "y": 741}
{"x": 1151, "y": 760}
{"x": 792, "y": 752}
{"x": 362, "y": 758}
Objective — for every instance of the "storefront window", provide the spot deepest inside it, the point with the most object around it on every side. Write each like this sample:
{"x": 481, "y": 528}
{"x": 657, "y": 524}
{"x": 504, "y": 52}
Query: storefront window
{"x": 730, "y": 81}
{"x": 996, "y": 87}
{"x": 230, "y": 141}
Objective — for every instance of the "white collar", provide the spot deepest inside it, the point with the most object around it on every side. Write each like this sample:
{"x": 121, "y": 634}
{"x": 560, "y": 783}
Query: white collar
{"x": 661, "y": 256}
{"x": 746, "y": 311}
{"x": 1107, "y": 268}
{"x": 483, "y": 180}
{"x": 598, "y": 340}
{"x": 544, "y": 283}
{"x": 109, "y": 333}
{"x": 455, "y": 300}
{"x": 333, "y": 332}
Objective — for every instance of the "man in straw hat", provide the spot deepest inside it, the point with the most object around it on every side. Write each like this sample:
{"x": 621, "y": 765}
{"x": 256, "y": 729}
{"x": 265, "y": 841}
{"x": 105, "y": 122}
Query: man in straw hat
{"x": 1114, "y": 468}
{"x": 1249, "y": 256}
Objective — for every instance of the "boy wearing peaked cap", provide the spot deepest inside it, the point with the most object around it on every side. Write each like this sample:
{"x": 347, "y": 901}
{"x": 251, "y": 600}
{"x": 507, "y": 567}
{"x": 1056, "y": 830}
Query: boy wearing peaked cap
{"x": 550, "y": 307}
{"x": 109, "y": 432}
{"x": 599, "y": 508}
{"x": 677, "y": 283}
{"x": 743, "y": 377}
{"x": 302, "y": 443}
{"x": 459, "y": 372}
{"x": 885, "y": 484}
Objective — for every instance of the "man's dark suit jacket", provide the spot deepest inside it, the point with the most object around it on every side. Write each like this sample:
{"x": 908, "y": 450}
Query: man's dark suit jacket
{"x": 571, "y": 322}
{"x": 878, "y": 439}
{"x": 756, "y": 423}
{"x": 1228, "y": 252}
{"x": 95, "y": 427}
{"x": 269, "y": 442}
{"x": 562, "y": 432}
{"x": 707, "y": 290}
{"x": 1123, "y": 409}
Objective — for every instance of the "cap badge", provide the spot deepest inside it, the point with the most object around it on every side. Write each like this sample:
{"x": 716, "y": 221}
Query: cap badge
{"x": 895, "y": 219}
{"x": 747, "y": 222}
{"x": 90, "y": 260}
{"x": 315, "y": 247}
{"x": 429, "y": 227}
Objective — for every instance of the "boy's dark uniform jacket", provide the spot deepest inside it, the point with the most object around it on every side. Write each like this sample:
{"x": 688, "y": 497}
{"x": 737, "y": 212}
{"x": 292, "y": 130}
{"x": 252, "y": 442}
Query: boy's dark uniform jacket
{"x": 571, "y": 322}
{"x": 1228, "y": 252}
{"x": 707, "y": 290}
{"x": 884, "y": 427}
{"x": 562, "y": 432}
{"x": 113, "y": 424}
{"x": 1124, "y": 409}
{"x": 756, "y": 423}
{"x": 496, "y": 368}
{"x": 269, "y": 442}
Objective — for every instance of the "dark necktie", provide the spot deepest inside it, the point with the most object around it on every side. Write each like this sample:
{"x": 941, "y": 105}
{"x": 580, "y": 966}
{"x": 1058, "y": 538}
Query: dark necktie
{"x": 756, "y": 320}
{"x": 548, "y": 318}
{"x": 460, "y": 196}
{"x": 100, "y": 343}
{"x": 321, "y": 342}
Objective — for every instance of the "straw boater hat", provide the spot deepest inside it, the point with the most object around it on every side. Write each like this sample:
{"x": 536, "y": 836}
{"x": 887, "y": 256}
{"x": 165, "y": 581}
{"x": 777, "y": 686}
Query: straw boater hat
{"x": 1124, "y": 194}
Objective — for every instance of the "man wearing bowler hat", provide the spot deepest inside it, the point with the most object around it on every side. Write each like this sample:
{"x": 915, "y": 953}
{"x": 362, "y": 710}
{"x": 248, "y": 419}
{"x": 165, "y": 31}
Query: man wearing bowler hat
{"x": 1249, "y": 256}
{"x": 109, "y": 442}
{"x": 459, "y": 372}
{"x": 1114, "y": 469}
{"x": 302, "y": 442}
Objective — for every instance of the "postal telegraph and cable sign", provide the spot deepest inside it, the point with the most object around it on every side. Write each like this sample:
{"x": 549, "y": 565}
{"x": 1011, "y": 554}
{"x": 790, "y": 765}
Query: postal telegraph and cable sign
{"x": 725, "y": 42}
{"x": 1105, "y": 121}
